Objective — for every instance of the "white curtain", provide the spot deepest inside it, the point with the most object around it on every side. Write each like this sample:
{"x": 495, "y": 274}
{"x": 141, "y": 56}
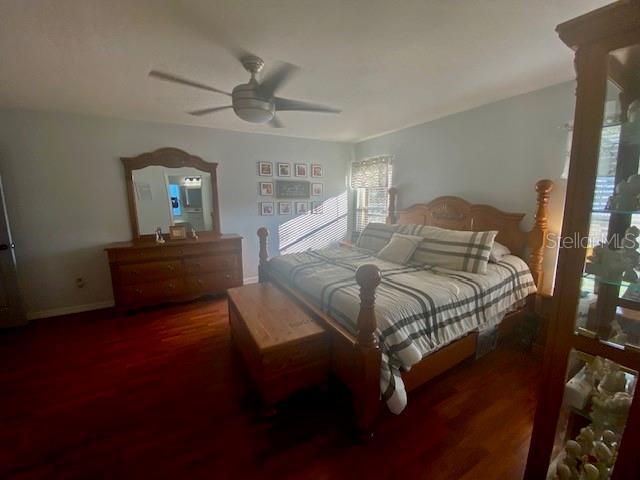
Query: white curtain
{"x": 370, "y": 173}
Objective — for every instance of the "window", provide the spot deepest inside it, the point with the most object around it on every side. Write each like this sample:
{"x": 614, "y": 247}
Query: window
{"x": 371, "y": 179}
{"x": 605, "y": 181}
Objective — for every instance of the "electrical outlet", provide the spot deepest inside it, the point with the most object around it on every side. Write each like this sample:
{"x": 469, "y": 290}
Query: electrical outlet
{"x": 80, "y": 283}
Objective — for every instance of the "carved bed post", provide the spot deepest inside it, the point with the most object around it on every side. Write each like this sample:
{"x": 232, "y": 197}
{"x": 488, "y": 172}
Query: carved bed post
{"x": 538, "y": 235}
{"x": 367, "y": 398}
{"x": 391, "y": 215}
{"x": 263, "y": 233}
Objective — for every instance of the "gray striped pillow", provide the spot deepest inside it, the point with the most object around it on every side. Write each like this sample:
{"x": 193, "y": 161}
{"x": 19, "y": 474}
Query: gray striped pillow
{"x": 453, "y": 249}
{"x": 375, "y": 236}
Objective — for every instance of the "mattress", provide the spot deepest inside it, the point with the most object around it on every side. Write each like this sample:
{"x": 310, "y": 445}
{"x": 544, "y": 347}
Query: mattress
{"x": 419, "y": 308}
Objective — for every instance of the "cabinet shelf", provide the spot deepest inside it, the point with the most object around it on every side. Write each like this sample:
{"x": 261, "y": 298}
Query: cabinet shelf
{"x": 627, "y": 356}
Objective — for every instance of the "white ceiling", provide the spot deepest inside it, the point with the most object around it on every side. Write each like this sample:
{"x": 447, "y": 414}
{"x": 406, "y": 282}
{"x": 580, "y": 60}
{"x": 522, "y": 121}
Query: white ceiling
{"x": 388, "y": 64}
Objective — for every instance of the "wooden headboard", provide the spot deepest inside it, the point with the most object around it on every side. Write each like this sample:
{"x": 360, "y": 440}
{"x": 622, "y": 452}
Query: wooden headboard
{"x": 454, "y": 213}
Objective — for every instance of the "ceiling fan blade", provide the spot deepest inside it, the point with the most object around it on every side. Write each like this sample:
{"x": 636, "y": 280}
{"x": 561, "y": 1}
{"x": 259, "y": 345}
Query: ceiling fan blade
{"x": 275, "y": 122}
{"x": 286, "y": 104}
{"x": 183, "y": 81}
{"x": 275, "y": 79}
{"x": 205, "y": 111}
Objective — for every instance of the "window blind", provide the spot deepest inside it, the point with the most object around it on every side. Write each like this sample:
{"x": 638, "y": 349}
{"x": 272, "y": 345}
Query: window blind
{"x": 370, "y": 173}
{"x": 371, "y": 179}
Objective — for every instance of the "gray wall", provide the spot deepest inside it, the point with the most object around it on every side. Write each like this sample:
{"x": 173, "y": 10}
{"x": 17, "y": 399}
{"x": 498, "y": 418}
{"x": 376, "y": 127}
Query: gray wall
{"x": 66, "y": 196}
{"x": 65, "y": 193}
{"x": 492, "y": 154}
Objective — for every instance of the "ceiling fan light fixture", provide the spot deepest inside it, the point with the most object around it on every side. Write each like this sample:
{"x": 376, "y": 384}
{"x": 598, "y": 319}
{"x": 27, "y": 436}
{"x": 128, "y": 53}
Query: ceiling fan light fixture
{"x": 249, "y": 106}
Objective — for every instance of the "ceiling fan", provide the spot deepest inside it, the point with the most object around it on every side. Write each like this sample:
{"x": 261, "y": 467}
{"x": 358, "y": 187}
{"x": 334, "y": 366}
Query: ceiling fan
{"x": 254, "y": 101}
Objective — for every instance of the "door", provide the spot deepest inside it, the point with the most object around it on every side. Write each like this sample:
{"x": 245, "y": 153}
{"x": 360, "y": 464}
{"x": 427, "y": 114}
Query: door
{"x": 11, "y": 308}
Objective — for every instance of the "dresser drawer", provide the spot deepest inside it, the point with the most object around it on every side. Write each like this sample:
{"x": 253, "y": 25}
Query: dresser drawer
{"x": 209, "y": 263}
{"x": 156, "y": 292}
{"x": 213, "y": 282}
{"x": 149, "y": 271}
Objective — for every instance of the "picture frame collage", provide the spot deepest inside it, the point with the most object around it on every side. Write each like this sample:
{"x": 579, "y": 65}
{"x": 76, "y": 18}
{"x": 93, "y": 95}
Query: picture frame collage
{"x": 266, "y": 188}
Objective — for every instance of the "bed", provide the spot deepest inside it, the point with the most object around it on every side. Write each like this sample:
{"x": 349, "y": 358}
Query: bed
{"x": 395, "y": 326}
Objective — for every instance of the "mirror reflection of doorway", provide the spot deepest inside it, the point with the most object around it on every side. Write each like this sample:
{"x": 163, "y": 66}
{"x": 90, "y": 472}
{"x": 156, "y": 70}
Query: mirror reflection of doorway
{"x": 172, "y": 196}
{"x": 185, "y": 191}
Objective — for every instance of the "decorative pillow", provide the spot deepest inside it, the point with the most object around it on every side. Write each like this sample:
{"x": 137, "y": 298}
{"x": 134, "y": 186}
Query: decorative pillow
{"x": 454, "y": 249}
{"x": 400, "y": 248}
{"x": 497, "y": 252}
{"x": 375, "y": 236}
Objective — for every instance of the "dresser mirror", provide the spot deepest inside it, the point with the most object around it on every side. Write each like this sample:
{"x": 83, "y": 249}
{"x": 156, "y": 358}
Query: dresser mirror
{"x": 169, "y": 187}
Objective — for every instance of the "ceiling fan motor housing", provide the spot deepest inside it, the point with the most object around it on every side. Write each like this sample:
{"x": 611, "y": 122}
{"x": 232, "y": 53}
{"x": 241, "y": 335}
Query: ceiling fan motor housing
{"x": 250, "y": 106}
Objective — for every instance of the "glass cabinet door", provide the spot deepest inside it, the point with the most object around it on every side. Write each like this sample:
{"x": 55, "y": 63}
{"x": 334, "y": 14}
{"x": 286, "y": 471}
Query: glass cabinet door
{"x": 609, "y": 303}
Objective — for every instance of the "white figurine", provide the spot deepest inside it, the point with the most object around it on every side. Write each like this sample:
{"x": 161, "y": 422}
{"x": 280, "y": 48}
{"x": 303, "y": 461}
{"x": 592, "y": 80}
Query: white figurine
{"x": 591, "y": 472}
{"x": 159, "y": 237}
{"x": 194, "y": 235}
{"x": 610, "y": 411}
{"x": 610, "y": 439}
{"x": 607, "y": 263}
{"x": 564, "y": 472}
{"x": 585, "y": 439}
{"x": 613, "y": 382}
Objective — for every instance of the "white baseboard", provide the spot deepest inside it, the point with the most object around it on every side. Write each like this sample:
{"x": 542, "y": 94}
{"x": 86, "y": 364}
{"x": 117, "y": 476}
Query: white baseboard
{"x": 55, "y": 312}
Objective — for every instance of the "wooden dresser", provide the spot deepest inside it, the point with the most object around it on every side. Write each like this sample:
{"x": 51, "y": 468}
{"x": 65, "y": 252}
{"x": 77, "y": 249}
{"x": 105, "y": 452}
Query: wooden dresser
{"x": 146, "y": 273}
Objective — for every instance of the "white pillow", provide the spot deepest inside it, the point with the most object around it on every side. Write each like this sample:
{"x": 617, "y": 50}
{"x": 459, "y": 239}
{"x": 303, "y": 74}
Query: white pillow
{"x": 400, "y": 248}
{"x": 497, "y": 252}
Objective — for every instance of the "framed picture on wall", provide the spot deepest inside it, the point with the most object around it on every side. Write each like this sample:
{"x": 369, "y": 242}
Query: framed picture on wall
{"x": 265, "y": 169}
{"x": 316, "y": 208}
{"x": 284, "y": 169}
{"x": 266, "y": 208}
{"x": 266, "y": 189}
{"x": 284, "y": 208}
{"x": 316, "y": 170}
{"x": 316, "y": 189}
{"x": 302, "y": 208}
{"x": 300, "y": 169}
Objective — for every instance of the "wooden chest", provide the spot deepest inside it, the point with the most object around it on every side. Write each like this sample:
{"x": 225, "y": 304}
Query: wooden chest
{"x": 283, "y": 348}
{"x": 145, "y": 273}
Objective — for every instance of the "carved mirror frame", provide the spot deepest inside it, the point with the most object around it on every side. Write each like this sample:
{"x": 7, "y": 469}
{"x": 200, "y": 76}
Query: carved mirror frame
{"x": 170, "y": 158}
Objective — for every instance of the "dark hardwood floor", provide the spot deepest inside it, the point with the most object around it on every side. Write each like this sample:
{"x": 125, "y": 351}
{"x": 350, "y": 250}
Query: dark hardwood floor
{"x": 159, "y": 395}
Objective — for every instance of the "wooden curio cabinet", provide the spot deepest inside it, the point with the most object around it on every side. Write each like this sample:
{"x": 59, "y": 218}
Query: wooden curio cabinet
{"x": 587, "y": 423}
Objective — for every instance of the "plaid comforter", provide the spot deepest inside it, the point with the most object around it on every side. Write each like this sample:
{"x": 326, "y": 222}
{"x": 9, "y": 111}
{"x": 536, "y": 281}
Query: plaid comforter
{"x": 419, "y": 308}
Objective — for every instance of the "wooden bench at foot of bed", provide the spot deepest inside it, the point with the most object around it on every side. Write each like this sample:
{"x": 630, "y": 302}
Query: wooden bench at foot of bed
{"x": 283, "y": 348}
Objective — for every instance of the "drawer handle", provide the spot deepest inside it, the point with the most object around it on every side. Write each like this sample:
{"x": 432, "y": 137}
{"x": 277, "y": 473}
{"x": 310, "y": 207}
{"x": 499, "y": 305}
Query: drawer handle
{"x": 171, "y": 286}
{"x": 200, "y": 282}
{"x": 180, "y": 252}
{"x": 138, "y": 291}
{"x": 170, "y": 267}
{"x": 228, "y": 276}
